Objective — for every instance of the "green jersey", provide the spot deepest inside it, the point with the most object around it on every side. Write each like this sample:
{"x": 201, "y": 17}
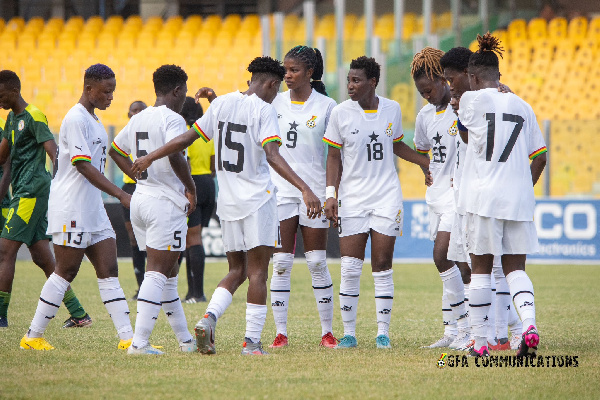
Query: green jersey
{"x": 6, "y": 200}
{"x": 26, "y": 133}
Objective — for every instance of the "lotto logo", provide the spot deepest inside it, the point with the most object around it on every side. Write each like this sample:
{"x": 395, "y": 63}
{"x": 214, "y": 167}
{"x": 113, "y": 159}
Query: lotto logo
{"x": 325, "y": 300}
{"x": 385, "y": 311}
{"x": 278, "y": 303}
{"x": 346, "y": 308}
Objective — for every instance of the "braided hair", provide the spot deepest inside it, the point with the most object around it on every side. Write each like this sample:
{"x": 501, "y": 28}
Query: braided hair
{"x": 266, "y": 65}
{"x": 485, "y": 60}
{"x": 312, "y": 59}
{"x": 427, "y": 63}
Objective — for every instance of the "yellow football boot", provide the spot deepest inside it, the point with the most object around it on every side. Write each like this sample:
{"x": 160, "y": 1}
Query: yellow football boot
{"x": 35, "y": 344}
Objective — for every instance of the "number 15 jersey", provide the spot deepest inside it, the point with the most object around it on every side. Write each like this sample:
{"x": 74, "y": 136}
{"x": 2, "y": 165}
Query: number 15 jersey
{"x": 503, "y": 136}
{"x": 240, "y": 126}
{"x": 366, "y": 138}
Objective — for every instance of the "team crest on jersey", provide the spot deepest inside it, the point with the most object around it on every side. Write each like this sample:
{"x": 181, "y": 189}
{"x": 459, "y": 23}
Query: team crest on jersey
{"x": 399, "y": 216}
{"x": 388, "y": 131}
{"x": 21, "y": 125}
{"x": 453, "y": 129}
{"x": 311, "y": 122}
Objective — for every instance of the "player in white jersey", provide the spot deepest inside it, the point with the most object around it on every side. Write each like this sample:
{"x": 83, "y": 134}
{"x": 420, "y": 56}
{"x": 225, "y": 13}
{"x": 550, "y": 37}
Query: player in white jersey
{"x": 77, "y": 219}
{"x": 303, "y": 113}
{"x": 455, "y": 63}
{"x": 435, "y": 130}
{"x": 246, "y": 137}
{"x": 165, "y": 194}
{"x": 364, "y": 133}
{"x": 496, "y": 191}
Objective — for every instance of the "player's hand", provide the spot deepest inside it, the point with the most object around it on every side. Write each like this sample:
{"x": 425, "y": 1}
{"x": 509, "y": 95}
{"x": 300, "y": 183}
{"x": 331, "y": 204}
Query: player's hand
{"x": 331, "y": 211}
{"x": 502, "y": 88}
{"x": 192, "y": 199}
{"x": 313, "y": 204}
{"x": 205, "y": 93}
{"x": 428, "y": 178}
{"x": 125, "y": 200}
{"x": 140, "y": 165}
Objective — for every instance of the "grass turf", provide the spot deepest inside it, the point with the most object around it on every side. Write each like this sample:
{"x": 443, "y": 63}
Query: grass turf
{"x": 87, "y": 364}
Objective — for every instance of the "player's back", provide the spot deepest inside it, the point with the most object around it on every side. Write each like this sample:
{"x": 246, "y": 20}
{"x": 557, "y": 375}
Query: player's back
{"x": 503, "y": 134}
{"x": 147, "y": 131}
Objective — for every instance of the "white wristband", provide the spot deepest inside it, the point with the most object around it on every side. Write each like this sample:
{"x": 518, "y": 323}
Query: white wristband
{"x": 330, "y": 192}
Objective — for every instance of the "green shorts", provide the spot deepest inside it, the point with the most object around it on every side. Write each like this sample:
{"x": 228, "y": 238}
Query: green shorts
{"x": 27, "y": 220}
{"x": 3, "y": 216}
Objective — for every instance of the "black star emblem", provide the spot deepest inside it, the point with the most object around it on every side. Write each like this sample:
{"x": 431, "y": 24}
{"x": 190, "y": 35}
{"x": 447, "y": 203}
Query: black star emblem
{"x": 437, "y": 138}
{"x": 169, "y": 314}
{"x": 103, "y": 150}
{"x": 486, "y": 318}
{"x": 508, "y": 308}
{"x": 293, "y": 125}
{"x": 373, "y": 137}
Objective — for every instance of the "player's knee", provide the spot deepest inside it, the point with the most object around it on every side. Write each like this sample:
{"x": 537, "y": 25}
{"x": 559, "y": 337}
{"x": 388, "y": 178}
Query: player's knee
{"x": 351, "y": 267}
{"x": 316, "y": 261}
{"x": 379, "y": 265}
{"x": 282, "y": 263}
{"x": 239, "y": 275}
{"x": 258, "y": 276}
{"x": 465, "y": 274}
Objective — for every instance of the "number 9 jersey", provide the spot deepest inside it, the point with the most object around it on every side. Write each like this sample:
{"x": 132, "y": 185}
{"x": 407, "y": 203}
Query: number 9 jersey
{"x": 240, "y": 126}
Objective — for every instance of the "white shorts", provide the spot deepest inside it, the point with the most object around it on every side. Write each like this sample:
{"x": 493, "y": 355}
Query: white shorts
{"x": 295, "y": 206}
{"x": 261, "y": 228}
{"x": 485, "y": 235}
{"x": 456, "y": 249}
{"x": 386, "y": 221}
{"x": 440, "y": 222}
{"x": 82, "y": 240}
{"x": 158, "y": 223}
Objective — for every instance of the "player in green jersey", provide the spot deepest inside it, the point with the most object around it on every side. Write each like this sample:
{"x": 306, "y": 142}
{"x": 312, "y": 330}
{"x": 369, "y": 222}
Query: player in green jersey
{"x": 4, "y": 183}
{"x": 25, "y": 142}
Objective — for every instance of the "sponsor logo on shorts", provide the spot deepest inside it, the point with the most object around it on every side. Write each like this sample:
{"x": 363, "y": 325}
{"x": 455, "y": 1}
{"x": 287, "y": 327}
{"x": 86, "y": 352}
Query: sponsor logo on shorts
{"x": 73, "y": 224}
{"x": 399, "y": 217}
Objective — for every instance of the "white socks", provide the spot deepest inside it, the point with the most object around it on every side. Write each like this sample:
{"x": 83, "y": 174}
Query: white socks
{"x": 450, "y": 328}
{"x": 148, "y": 307}
{"x": 480, "y": 301}
{"x": 280, "y": 289}
{"x": 115, "y": 302}
{"x": 256, "y": 314}
{"x": 171, "y": 305}
{"x": 521, "y": 290}
{"x": 384, "y": 298}
{"x": 52, "y": 295}
{"x": 322, "y": 287}
{"x": 454, "y": 289}
{"x": 349, "y": 291}
{"x": 503, "y": 301}
{"x": 220, "y": 300}
{"x": 491, "y": 331}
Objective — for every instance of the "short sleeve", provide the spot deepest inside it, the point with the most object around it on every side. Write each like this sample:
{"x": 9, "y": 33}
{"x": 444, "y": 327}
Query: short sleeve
{"x": 40, "y": 129}
{"x": 397, "y": 132}
{"x": 422, "y": 143}
{"x": 269, "y": 128}
{"x": 330, "y": 107}
{"x": 537, "y": 145}
{"x": 75, "y": 140}
{"x": 121, "y": 144}
{"x": 466, "y": 111}
{"x": 175, "y": 126}
{"x": 204, "y": 126}
{"x": 333, "y": 136}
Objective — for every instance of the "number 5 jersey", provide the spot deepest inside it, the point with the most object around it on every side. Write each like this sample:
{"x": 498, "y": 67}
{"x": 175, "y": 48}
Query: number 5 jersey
{"x": 240, "y": 126}
{"x": 366, "y": 137}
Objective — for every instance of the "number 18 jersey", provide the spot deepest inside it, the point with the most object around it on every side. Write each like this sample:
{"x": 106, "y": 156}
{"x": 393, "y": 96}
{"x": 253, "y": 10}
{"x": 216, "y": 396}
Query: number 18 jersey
{"x": 240, "y": 126}
{"x": 503, "y": 136}
{"x": 369, "y": 179}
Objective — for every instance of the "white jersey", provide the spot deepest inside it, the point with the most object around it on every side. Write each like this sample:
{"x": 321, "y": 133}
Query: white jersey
{"x": 503, "y": 135}
{"x": 369, "y": 178}
{"x": 461, "y": 149}
{"x": 302, "y": 126}
{"x": 75, "y": 205}
{"x": 147, "y": 131}
{"x": 437, "y": 131}
{"x": 240, "y": 125}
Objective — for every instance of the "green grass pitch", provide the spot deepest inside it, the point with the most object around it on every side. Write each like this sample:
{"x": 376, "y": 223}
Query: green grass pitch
{"x": 87, "y": 364}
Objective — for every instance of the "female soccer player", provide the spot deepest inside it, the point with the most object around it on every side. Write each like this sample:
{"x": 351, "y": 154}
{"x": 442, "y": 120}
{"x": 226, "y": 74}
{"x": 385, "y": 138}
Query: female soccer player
{"x": 435, "y": 130}
{"x": 364, "y": 133}
{"x": 303, "y": 113}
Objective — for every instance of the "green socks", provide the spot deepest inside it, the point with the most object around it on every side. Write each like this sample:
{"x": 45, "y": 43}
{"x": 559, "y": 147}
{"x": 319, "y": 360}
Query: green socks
{"x": 72, "y": 303}
{"x": 4, "y": 301}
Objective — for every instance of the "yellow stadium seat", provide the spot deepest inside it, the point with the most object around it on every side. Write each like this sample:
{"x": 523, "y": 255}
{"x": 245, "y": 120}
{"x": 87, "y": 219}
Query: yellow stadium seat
{"x": 15, "y": 24}
{"x": 557, "y": 29}
{"x": 517, "y": 30}
{"x": 537, "y": 28}
{"x": 577, "y": 29}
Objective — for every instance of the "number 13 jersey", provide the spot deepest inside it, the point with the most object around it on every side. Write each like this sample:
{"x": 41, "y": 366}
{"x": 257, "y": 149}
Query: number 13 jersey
{"x": 240, "y": 126}
{"x": 369, "y": 179}
{"x": 503, "y": 136}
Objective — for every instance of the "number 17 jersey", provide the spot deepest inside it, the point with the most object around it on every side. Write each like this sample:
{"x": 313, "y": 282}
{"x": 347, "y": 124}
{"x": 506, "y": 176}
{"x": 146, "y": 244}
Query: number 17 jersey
{"x": 240, "y": 126}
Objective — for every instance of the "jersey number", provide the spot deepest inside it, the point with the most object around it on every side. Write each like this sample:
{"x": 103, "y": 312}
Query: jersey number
{"x": 491, "y": 120}
{"x": 292, "y": 136}
{"x": 139, "y": 152}
{"x": 177, "y": 238}
{"x": 79, "y": 235}
{"x": 236, "y": 146}
{"x": 374, "y": 152}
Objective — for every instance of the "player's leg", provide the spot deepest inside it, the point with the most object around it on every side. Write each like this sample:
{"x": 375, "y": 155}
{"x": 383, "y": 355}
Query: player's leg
{"x": 315, "y": 245}
{"x": 352, "y": 250}
{"x": 480, "y": 297}
{"x": 171, "y": 305}
{"x": 102, "y": 253}
{"x": 8, "y": 258}
{"x": 138, "y": 257}
{"x": 503, "y": 300}
{"x": 382, "y": 254}
{"x": 283, "y": 260}
{"x": 194, "y": 260}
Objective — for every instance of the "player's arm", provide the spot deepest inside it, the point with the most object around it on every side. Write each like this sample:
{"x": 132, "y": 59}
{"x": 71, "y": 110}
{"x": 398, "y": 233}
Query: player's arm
{"x": 205, "y": 93}
{"x": 97, "y": 179}
{"x": 213, "y": 172}
{"x": 181, "y": 168}
{"x": 123, "y": 162}
{"x": 537, "y": 167}
{"x": 176, "y": 145}
{"x": 5, "y": 181}
{"x": 333, "y": 177}
{"x": 4, "y": 151}
{"x": 278, "y": 163}
{"x": 52, "y": 150}
{"x": 403, "y": 151}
